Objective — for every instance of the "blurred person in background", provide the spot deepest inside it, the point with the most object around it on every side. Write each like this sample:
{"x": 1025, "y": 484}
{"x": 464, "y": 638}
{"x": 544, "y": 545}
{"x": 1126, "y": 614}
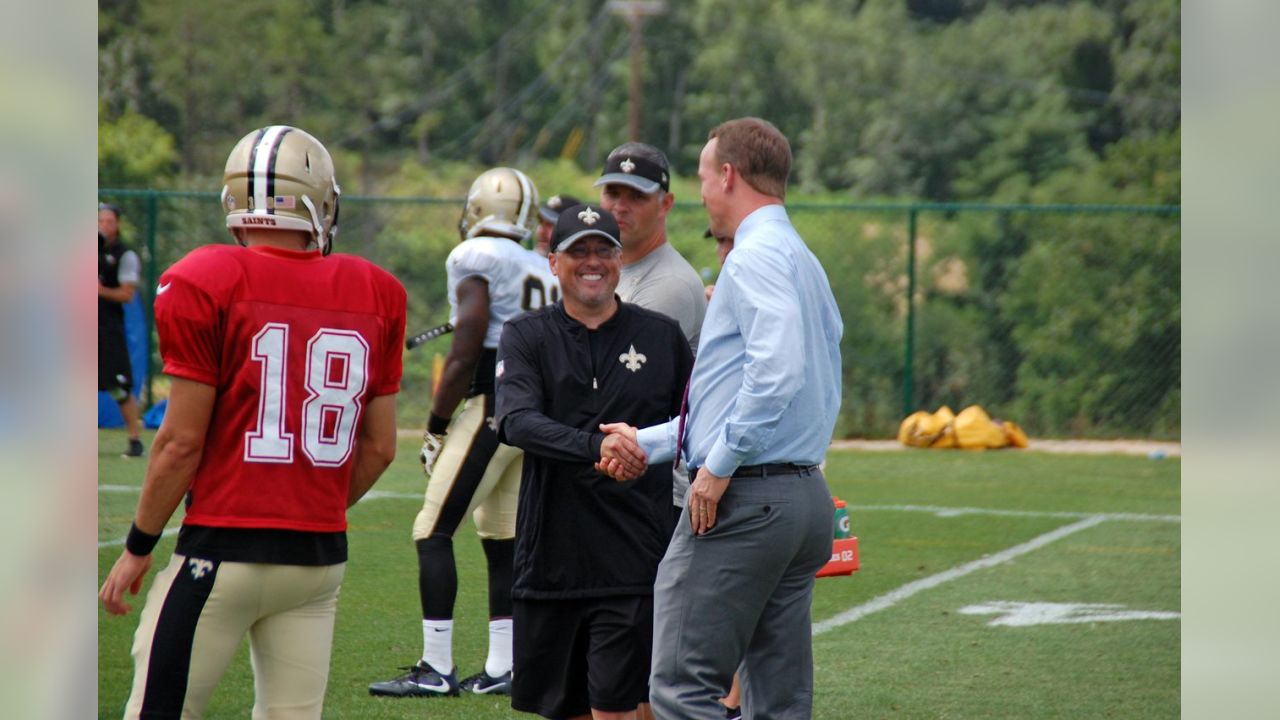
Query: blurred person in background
{"x": 635, "y": 188}
{"x": 723, "y": 246}
{"x": 547, "y": 216}
{"x": 118, "y": 273}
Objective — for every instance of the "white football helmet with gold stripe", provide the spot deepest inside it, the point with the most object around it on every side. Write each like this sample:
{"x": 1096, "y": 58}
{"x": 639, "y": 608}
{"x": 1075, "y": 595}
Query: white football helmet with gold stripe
{"x": 280, "y": 177}
{"x": 502, "y": 201}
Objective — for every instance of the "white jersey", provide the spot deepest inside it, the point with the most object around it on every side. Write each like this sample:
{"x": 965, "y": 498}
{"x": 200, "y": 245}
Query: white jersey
{"x": 519, "y": 280}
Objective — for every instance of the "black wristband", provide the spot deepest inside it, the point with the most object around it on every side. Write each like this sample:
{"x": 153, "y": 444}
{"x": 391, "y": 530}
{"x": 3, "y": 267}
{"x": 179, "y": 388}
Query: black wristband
{"x": 140, "y": 543}
{"x": 437, "y": 425}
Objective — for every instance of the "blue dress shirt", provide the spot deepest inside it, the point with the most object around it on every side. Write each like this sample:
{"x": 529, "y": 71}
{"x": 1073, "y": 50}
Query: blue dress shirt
{"x": 766, "y": 383}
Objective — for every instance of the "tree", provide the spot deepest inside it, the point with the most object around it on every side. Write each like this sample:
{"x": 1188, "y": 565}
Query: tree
{"x": 133, "y": 150}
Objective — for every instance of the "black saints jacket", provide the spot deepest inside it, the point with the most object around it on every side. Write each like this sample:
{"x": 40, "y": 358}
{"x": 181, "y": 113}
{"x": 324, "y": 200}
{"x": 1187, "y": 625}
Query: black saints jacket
{"x": 580, "y": 533}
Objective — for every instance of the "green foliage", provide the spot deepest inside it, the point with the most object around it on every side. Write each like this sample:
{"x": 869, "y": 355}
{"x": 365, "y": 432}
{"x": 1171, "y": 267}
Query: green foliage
{"x": 1148, "y": 55}
{"x": 1068, "y": 324}
{"x": 1097, "y": 314}
{"x": 933, "y": 99}
{"x": 133, "y": 150}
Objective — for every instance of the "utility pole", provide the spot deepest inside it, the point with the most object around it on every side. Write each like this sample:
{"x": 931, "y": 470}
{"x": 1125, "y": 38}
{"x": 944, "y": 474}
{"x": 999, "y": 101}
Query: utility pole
{"x": 635, "y": 12}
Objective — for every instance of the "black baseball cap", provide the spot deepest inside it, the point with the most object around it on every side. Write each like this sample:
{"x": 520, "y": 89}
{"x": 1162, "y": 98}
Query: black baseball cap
{"x": 583, "y": 221}
{"x": 638, "y": 165}
{"x": 550, "y": 210}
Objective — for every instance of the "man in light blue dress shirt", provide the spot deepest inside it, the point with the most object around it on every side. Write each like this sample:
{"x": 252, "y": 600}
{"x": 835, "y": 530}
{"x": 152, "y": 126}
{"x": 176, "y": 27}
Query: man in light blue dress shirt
{"x": 736, "y": 583}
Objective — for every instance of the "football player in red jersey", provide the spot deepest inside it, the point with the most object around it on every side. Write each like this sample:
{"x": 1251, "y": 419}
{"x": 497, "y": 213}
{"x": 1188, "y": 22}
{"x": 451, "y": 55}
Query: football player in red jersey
{"x": 285, "y": 363}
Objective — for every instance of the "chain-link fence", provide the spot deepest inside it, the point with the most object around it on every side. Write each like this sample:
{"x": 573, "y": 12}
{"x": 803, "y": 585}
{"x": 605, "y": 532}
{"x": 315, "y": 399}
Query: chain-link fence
{"x": 1066, "y": 319}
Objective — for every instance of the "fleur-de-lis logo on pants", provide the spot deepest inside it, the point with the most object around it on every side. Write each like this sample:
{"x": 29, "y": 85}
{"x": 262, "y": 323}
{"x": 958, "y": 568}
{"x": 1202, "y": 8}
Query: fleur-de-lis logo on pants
{"x": 632, "y": 360}
{"x": 199, "y": 568}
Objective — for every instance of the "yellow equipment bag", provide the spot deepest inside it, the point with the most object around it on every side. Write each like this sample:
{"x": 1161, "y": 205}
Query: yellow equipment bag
{"x": 972, "y": 429}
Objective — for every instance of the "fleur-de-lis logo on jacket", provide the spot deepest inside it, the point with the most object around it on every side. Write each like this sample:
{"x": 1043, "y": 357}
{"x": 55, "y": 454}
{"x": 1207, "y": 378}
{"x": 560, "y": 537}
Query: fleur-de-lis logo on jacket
{"x": 632, "y": 360}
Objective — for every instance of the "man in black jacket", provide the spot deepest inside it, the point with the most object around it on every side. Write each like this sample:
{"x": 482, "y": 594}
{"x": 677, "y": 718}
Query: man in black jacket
{"x": 587, "y": 547}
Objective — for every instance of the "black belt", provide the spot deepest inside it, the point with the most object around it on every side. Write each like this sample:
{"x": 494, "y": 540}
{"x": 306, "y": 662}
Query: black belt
{"x": 772, "y": 469}
{"x": 766, "y": 469}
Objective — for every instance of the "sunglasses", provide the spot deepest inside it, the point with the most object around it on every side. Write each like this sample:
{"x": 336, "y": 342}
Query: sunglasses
{"x": 604, "y": 252}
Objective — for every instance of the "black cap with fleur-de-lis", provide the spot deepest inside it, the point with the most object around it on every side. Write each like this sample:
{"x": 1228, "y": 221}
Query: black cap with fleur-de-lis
{"x": 638, "y": 165}
{"x": 550, "y": 210}
{"x": 583, "y": 221}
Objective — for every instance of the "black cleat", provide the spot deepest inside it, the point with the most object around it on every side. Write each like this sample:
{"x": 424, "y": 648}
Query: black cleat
{"x": 732, "y": 713}
{"x": 422, "y": 680}
{"x": 482, "y": 683}
{"x": 135, "y": 449}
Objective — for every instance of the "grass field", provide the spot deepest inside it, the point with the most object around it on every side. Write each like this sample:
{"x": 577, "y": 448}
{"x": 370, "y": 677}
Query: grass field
{"x": 970, "y": 603}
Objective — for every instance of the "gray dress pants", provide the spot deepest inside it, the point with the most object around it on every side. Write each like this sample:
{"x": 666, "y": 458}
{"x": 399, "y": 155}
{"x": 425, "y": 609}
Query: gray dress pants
{"x": 741, "y": 594}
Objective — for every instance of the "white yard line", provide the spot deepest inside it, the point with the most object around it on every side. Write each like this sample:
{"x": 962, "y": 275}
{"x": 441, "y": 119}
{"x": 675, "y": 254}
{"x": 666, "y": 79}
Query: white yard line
{"x": 894, "y": 597}
{"x": 387, "y": 495}
{"x": 957, "y": 511}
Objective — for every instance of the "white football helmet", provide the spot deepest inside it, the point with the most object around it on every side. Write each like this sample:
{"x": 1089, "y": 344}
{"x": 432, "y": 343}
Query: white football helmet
{"x": 502, "y": 201}
{"x": 281, "y": 177}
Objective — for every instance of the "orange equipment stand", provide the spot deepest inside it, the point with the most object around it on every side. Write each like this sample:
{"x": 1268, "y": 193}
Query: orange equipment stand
{"x": 844, "y": 558}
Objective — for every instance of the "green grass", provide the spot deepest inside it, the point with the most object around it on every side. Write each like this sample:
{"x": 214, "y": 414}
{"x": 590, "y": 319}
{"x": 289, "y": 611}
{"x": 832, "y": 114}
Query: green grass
{"x": 916, "y": 658}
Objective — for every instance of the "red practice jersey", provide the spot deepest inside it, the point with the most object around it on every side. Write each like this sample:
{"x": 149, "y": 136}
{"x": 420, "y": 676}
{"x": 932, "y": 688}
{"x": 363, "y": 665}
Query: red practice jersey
{"x": 295, "y": 343}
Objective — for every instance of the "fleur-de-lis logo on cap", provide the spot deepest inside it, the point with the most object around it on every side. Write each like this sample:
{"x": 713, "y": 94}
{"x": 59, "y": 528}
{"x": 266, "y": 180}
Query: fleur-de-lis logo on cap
{"x": 589, "y": 216}
{"x": 627, "y": 166}
{"x": 554, "y": 202}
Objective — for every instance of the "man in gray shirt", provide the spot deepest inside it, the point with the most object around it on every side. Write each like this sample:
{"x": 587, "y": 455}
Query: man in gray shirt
{"x": 634, "y": 187}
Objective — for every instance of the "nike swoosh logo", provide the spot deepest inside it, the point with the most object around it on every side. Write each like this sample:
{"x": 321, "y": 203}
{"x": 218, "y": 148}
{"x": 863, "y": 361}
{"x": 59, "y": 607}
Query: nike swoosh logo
{"x": 162, "y": 287}
{"x": 441, "y": 687}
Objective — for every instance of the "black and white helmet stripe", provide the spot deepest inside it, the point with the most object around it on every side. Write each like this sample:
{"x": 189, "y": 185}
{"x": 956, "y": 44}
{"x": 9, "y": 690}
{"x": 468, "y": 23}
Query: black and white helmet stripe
{"x": 262, "y": 168}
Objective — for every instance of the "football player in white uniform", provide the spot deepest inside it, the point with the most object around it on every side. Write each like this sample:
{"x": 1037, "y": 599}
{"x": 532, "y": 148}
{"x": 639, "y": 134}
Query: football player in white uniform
{"x": 492, "y": 278}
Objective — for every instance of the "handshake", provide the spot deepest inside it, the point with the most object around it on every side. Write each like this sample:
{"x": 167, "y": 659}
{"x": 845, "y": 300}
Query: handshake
{"x": 620, "y": 456}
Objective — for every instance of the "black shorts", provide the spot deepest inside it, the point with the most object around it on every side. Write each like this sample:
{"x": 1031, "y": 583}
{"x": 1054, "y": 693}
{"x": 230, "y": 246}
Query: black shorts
{"x": 115, "y": 373}
{"x": 575, "y": 655}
